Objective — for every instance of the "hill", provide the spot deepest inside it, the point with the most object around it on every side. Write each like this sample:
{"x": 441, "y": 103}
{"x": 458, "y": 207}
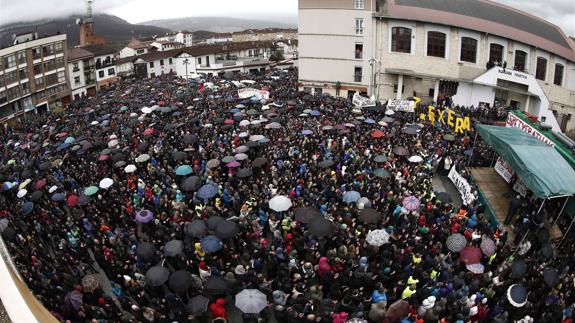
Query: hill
{"x": 115, "y": 29}
{"x": 216, "y": 24}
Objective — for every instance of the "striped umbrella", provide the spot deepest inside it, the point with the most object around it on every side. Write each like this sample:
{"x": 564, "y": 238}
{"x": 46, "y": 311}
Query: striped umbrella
{"x": 456, "y": 242}
{"x": 411, "y": 203}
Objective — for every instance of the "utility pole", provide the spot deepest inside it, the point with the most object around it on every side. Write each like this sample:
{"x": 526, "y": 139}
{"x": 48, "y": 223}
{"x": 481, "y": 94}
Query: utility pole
{"x": 373, "y": 85}
{"x": 186, "y": 62}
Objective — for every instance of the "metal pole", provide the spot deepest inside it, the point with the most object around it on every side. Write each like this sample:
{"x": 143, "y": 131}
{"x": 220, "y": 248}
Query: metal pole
{"x": 560, "y": 212}
{"x": 472, "y": 148}
{"x": 566, "y": 233}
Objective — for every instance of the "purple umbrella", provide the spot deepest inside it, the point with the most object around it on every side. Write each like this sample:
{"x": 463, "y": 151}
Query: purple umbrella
{"x": 144, "y": 216}
{"x": 233, "y": 164}
{"x": 74, "y": 298}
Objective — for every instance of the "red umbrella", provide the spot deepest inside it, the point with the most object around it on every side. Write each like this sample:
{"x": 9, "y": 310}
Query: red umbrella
{"x": 228, "y": 121}
{"x": 149, "y": 131}
{"x": 470, "y": 255}
{"x": 40, "y": 184}
{"x": 378, "y": 134}
{"x": 103, "y": 157}
{"x": 72, "y": 200}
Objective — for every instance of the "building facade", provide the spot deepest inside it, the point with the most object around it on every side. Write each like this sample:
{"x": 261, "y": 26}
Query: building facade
{"x": 105, "y": 64}
{"x": 433, "y": 50}
{"x": 33, "y": 77}
{"x": 165, "y": 45}
{"x": 183, "y": 37}
{"x": 82, "y": 72}
{"x": 268, "y": 34}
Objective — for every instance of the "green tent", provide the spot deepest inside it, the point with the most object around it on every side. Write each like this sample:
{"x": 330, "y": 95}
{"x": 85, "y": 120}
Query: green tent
{"x": 543, "y": 170}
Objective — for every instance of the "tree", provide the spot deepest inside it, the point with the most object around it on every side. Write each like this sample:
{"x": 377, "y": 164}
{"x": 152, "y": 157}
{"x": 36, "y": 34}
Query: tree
{"x": 277, "y": 56}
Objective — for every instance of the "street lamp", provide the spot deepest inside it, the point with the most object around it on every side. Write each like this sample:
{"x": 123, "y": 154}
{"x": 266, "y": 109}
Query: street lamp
{"x": 372, "y": 61}
{"x": 186, "y": 62}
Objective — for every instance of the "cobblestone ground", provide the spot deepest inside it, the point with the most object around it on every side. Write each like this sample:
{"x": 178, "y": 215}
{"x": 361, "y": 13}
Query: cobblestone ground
{"x": 3, "y": 315}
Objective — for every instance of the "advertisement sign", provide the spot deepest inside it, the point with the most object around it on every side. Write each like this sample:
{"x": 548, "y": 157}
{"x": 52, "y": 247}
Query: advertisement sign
{"x": 465, "y": 190}
{"x": 515, "y": 122}
{"x": 251, "y": 92}
{"x": 446, "y": 117}
{"x": 360, "y": 101}
{"x": 401, "y": 105}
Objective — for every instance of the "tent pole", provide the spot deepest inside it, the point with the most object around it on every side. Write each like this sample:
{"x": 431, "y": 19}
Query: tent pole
{"x": 566, "y": 233}
{"x": 472, "y": 148}
{"x": 541, "y": 207}
{"x": 560, "y": 212}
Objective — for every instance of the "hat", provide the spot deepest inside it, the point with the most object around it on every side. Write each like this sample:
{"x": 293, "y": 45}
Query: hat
{"x": 240, "y": 270}
{"x": 484, "y": 300}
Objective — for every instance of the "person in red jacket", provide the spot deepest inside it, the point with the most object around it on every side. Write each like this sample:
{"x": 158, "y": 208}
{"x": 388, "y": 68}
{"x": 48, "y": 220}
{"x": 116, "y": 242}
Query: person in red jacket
{"x": 218, "y": 310}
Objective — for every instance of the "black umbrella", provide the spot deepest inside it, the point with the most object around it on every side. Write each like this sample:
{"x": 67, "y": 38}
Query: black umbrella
{"x": 9, "y": 234}
{"x": 120, "y": 164}
{"x": 36, "y": 196}
{"x": 306, "y": 214}
{"x": 244, "y": 172}
{"x": 180, "y": 281}
{"x": 173, "y": 248}
{"x": 227, "y": 229}
{"x": 196, "y": 228}
{"x": 215, "y": 285}
{"x": 157, "y": 276}
{"x": 84, "y": 199}
{"x": 543, "y": 235}
{"x": 191, "y": 139}
{"x": 400, "y": 151}
{"x": 191, "y": 184}
{"x": 252, "y": 144}
{"x": 326, "y": 163}
{"x": 547, "y": 250}
{"x": 409, "y": 131}
{"x": 145, "y": 250}
{"x": 45, "y": 165}
{"x": 517, "y": 295}
{"x": 518, "y": 269}
{"x": 179, "y": 155}
{"x": 550, "y": 276}
{"x": 321, "y": 227}
{"x": 444, "y": 197}
{"x": 198, "y": 305}
{"x": 213, "y": 221}
{"x": 142, "y": 147}
{"x": 369, "y": 216}
{"x": 259, "y": 162}
{"x": 118, "y": 157}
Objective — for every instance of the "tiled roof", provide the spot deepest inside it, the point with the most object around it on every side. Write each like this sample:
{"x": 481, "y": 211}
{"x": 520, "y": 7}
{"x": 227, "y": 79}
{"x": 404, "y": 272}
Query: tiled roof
{"x": 78, "y": 53}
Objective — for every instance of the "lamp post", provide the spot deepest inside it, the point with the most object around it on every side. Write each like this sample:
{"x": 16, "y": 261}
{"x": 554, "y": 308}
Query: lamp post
{"x": 186, "y": 62}
{"x": 372, "y": 61}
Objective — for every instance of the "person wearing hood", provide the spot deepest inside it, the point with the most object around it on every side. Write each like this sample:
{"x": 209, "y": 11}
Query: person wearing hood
{"x": 218, "y": 309}
{"x": 323, "y": 266}
{"x": 377, "y": 311}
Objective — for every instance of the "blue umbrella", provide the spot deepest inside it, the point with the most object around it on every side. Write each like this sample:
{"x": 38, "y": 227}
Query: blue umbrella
{"x": 315, "y": 113}
{"x": 351, "y": 197}
{"x": 184, "y": 170}
{"x": 211, "y": 244}
{"x": 235, "y": 110}
{"x": 6, "y": 186}
{"x": 27, "y": 208}
{"x": 63, "y": 146}
{"x": 144, "y": 216}
{"x": 208, "y": 191}
{"x": 369, "y": 121}
{"x": 306, "y": 132}
{"x": 264, "y": 141}
{"x": 69, "y": 140}
{"x": 106, "y": 116}
{"x": 58, "y": 197}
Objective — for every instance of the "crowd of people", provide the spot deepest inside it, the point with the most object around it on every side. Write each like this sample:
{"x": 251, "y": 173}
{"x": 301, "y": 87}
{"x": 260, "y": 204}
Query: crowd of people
{"x": 166, "y": 200}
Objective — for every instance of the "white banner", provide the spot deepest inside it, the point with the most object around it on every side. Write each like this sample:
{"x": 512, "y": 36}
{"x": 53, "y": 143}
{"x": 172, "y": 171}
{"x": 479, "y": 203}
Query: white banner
{"x": 251, "y": 92}
{"x": 502, "y": 168}
{"x": 361, "y": 101}
{"x": 401, "y": 105}
{"x": 465, "y": 190}
{"x": 514, "y": 122}
{"x": 520, "y": 187}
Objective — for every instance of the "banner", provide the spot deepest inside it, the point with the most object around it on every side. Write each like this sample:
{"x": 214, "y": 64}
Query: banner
{"x": 465, "y": 190}
{"x": 446, "y": 117}
{"x": 520, "y": 188}
{"x": 251, "y": 92}
{"x": 401, "y": 105}
{"x": 515, "y": 122}
{"x": 360, "y": 101}
{"x": 502, "y": 168}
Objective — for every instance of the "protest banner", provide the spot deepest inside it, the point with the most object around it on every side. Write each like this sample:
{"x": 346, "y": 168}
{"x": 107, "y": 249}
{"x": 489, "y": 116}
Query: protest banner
{"x": 515, "y": 122}
{"x": 504, "y": 169}
{"x": 463, "y": 186}
{"x": 447, "y": 117}
{"x": 251, "y": 92}
{"x": 361, "y": 101}
{"x": 401, "y": 105}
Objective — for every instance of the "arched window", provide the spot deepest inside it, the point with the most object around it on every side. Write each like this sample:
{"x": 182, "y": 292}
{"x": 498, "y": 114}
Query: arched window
{"x": 401, "y": 40}
{"x": 496, "y": 53}
{"x": 558, "y": 77}
{"x": 468, "y": 49}
{"x": 520, "y": 60}
{"x": 541, "y": 70}
{"x": 436, "y": 44}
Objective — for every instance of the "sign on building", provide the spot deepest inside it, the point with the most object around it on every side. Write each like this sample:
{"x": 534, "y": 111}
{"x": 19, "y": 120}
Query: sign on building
{"x": 401, "y": 105}
{"x": 515, "y": 122}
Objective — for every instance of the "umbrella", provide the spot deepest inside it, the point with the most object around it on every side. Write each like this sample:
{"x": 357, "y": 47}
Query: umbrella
{"x": 380, "y": 172}
{"x": 444, "y": 197}
{"x": 470, "y": 255}
{"x": 233, "y": 164}
{"x": 142, "y": 158}
{"x": 74, "y": 298}
{"x": 351, "y": 197}
{"x": 321, "y": 227}
{"x": 144, "y": 216}
{"x": 130, "y": 168}
{"x": 389, "y": 112}
{"x": 550, "y": 276}
{"x": 241, "y": 149}
{"x": 409, "y": 131}
{"x": 369, "y": 216}
{"x": 180, "y": 281}
{"x": 113, "y": 143}
{"x": 213, "y": 221}
{"x": 73, "y": 200}
{"x": 213, "y": 163}
{"x": 198, "y": 305}
{"x": 90, "y": 283}
{"x": 146, "y": 110}
{"x": 256, "y": 137}
{"x": 244, "y": 172}
{"x": 57, "y": 197}
{"x": 215, "y": 285}
{"x": 380, "y": 159}
{"x": 518, "y": 269}
{"x": 40, "y": 184}
{"x": 149, "y": 131}
{"x": 306, "y": 214}
{"x": 397, "y": 311}
{"x": 377, "y": 237}
{"x": 106, "y": 183}
{"x": 476, "y": 268}
{"x": 241, "y": 156}
{"x": 449, "y": 137}
{"x": 415, "y": 159}
{"x": 259, "y": 162}
{"x": 547, "y": 250}
{"x": 83, "y": 200}
{"x": 456, "y": 242}
{"x": 173, "y": 248}
{"x": 517, "y": 295}
{"x": 21, "y": 193}
{"x": 228, "y": 159}
{"x": 191, "y": 183}
{"x": 36, "y": 196}
{"x": 4, "y": 224}
{"x": 487, "y": 246}
{"x": 145, "y": 250}
{"x": 45, "y": 165}
{"x": 326, "y": 163}
{"x": 227, "y": 229}
{"x": 400, "y": 151}
{"x": 251, "y": 301}
{"x": 120, "y": 164}
{"x": 211, "y": 244}
{"x": 184, "y": 170}
{"x": 280, "y": 203}
{"x": 378, "y": 134}
{"x": 89, "y": 191}
{"x": 208, "y": 191}
{"x": 179, "y": 155}
{"x": 411, "y": 203}
{"x": 157, "y": 276}
{"x": 191, "y": 139}
{"x": 195, "y": 229}
{"x": 26, "y": 208}
{"x": 306, "y": 132}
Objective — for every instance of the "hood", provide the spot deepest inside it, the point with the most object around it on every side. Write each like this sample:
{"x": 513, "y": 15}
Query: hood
{"x": 220, "y": 302}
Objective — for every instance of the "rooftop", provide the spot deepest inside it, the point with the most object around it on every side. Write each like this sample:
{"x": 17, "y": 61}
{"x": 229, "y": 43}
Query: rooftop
{"x": 99, "y": 50}
{"x": 78, "y": 53}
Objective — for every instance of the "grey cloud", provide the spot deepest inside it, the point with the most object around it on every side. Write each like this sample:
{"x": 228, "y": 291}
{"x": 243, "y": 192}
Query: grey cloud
{"x": 558, "y": 12}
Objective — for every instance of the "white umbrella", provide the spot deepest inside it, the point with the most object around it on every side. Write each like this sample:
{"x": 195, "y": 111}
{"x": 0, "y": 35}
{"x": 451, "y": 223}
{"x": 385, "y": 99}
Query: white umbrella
{"x": 113, "y": 143}
{"x": 244, "y": 123}
{"x": 52, "y": 189}
{"x": 304, "y": 115}
{"x": 389, "y": 112}
{"x": 476, "y": 268}
{"x": 241, "y": 156}
{"x": 112, "y": 137}
{"x": 143, "y": 158}
{"x": 382, "y": 123}
{"x": 106, "y": 183}
{"x": 22, "y": 193}
{"x": 243, "y": 134}
{"x": 94, "y": 123}
{"x": 280, "y": 203}
{"x": 256, "y": 137}
{"x": 356, "y": 111}
{"x": 146, "y": 110}
{"x": 251, "y": 301}
{"x": 377, "y": 237}
{"x": 133, "y": 115}
{"x": 130, "y": 168}
{"x": 415, "y": 159}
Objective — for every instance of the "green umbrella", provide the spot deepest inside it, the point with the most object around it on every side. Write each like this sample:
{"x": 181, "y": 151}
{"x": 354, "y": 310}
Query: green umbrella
{"x": 184, "y": 170}
{"x": 124, "y": 108}
{"x": 380, "y": 172}
{"x": 89, "y": 191}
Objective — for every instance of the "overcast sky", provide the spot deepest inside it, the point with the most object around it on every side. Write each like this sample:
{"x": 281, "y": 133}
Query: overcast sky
{"x": 559, "y": 12}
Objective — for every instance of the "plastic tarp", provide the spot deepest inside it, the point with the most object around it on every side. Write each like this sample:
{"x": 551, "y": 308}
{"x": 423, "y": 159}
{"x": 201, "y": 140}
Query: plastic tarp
{"x": 543, "y": 170}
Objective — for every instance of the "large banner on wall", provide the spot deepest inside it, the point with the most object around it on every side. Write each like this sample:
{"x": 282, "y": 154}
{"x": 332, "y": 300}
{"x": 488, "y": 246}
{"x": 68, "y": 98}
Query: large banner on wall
{"x": 463, "y": 186}
{"x": 515, "y": 122}
{"x": 401, "y": 105}
{"x": 251, "y": 92}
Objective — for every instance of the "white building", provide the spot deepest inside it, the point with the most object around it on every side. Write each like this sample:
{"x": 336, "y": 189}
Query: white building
{"x": 82, "y": 72}
{"x": 105, "y": 64}
{"x": 134, "y": 48}
{"x": 184, "y": 37}
{"x": 219, "y": 38}
{"x": 165, "y": 45}
{"x": 433, "y": 49}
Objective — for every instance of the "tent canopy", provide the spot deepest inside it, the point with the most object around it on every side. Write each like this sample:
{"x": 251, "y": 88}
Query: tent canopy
{"x": 539, "y": 166}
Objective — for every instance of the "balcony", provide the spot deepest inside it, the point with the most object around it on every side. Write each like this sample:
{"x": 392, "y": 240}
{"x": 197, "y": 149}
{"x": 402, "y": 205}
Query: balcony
{"x": 105, "y": 64}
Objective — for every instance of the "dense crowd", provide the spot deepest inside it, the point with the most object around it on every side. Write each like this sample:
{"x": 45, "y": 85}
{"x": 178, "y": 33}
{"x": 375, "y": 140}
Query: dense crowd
{"x": 166, "y": 200}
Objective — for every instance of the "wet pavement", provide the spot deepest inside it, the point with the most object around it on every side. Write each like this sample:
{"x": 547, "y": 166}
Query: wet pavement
{"x": 3, "y": 315}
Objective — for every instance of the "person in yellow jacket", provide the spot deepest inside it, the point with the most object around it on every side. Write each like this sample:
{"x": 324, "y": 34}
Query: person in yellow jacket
{"x": 416, "y": 258}
{"x": 199, "y": 251}
{"x": 408, "y": 292}
{"x": 412, "y": 281}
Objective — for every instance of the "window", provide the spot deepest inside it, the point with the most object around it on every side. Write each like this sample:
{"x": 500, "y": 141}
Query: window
{"x": 359, "y": 4}
{"x": 468, "y": 49}
{"x": 111, "y": 71}
{"x": 359, "y": 26}
{"x": 307, "y": 89}
{"x": 75, "y": 67}
{"x": 139, "y": 51}
{"x": 496, "y": 53}
{"x": 23, "y": 75}
{"x": 395, "y": 88}
{"x": 161, "y": 62}
{"x": 431, "y": 92}
{"x": 21, "y": 57}
{"x": 318, "y": 90}
{"x": 169, "y": 61}
{"x": 199, "y": 61}
{"x": 558, "y": 76}
{"x": 76, "y": 79}
{"x": 151, "y": 64}
{"x": 58, "y": 47}
{"x": 152, "y": 75}
{"x": 358, "y": 71}
{"x": 51, "y": 79}
{"x": 541, "y": 70}
{"x": 39, "y": 82}
{"x": 401, "y": 40}
{"x": 59, "y": 62}
{"x": 358, "y": 51}
{"x": 13, "y": 93}
{"x": 101, "y": 74}
{"x": 36, "y": 52}
{"x": 520, "y": 60}
{"x": 25, "y": 88}
{"x": 436, "y": 44}
{"x": 9, "y": 61}
{"x": 61, "y": 77}
{"x": 11, "y": 77}
{"x": 48, "y": 49}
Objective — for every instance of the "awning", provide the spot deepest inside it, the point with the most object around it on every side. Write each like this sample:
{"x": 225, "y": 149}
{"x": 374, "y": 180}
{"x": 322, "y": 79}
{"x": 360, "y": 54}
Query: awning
{"x": 543, "y": 170}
